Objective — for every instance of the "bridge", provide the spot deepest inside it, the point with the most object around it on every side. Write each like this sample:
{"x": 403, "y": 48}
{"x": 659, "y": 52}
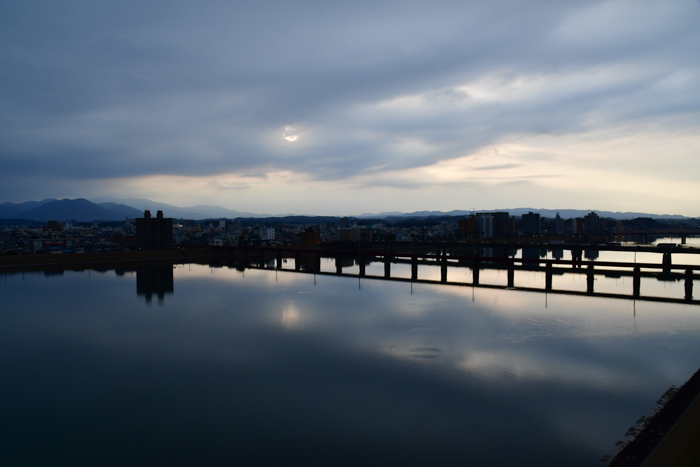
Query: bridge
{"x": 308, "y": 261}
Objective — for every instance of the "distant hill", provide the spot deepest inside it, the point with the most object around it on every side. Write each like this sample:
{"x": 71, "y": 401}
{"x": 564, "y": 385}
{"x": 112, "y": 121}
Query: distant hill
{"x": 550, "y": 213}
{"x": 16, "y": 210}
{"x": 63, "y": 210}
{"x": 201, "y": 211}
{"x": 113, "y": 209}
{"x": 27, "y": 205}
{"x": 122, "y": 210}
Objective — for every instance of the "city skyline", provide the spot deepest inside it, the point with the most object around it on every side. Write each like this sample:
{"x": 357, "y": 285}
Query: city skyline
{"x": 368, "y": 107}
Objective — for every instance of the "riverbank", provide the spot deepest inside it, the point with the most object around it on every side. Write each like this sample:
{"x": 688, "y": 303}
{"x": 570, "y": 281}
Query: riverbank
{"x": 671, "y": 436}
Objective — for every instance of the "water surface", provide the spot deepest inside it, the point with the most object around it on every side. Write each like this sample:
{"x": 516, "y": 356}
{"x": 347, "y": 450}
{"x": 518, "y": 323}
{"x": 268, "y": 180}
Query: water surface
{"x": 214, "y": 366}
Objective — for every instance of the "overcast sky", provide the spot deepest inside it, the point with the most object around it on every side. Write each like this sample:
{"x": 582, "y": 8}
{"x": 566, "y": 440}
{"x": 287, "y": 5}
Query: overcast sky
{"x": 317, "y": 107}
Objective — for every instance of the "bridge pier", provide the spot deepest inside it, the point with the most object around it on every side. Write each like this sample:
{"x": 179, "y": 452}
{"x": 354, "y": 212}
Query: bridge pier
{"x": 339, "y": 264}
{"x": 387, "y": 265}
{"x": 317, "y": 261}
{"x": 297, "y": 261}
{"x": 590, "y": 279}
{"x": 278, "y": 259}
{"x": 362, "y": 265}
{"x": 684, "y": 238}
{"x": 261, "y": 258}
{"x": 443, "y": 266}
{"x": 414, "y": 268}
{"x": 548, "y": 277}
{"x": 667, "y": 262}
{"x": 475, "y": 272}
{"x": 636, "y": 282}
{"x": 511, "y": 273}
{"x": 576, "y": 254}
{"x": 688, "y": 284}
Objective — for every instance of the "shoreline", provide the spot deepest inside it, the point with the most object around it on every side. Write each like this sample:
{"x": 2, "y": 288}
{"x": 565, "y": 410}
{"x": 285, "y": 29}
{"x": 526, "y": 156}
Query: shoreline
{"x": 660, "y": 431}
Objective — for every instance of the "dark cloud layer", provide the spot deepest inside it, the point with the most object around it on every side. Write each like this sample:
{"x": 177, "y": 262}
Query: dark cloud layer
{"x": 94, "y": 90}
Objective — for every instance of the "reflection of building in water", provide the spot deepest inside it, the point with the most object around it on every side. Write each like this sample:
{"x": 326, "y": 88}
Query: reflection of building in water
{"x": 591, "y": 254}
{"x": 156, "y": 280}
{"x": 557, "y": 253}
{"x": 534, "y": 253}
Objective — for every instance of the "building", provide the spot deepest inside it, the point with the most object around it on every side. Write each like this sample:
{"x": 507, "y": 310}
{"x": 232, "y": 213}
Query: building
{"x": 502, "y": 224}
{"x": 558, "y": 225}
{"x": 154, "y": 234}
{"x": 484, "y": 225}
{"x": 467, "y": 226}
{"x": 310, "y": 236}
{"x": 53, "y": 226}
{"x": 591, "y": 223}
{"x": 530, "y": 224}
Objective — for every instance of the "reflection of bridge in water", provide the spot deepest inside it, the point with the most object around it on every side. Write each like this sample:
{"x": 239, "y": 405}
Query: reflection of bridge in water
{"x": 309, "y": 261}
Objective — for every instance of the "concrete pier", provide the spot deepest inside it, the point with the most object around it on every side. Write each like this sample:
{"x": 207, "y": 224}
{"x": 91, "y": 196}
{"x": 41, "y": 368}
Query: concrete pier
{"x": 511, "y": 273}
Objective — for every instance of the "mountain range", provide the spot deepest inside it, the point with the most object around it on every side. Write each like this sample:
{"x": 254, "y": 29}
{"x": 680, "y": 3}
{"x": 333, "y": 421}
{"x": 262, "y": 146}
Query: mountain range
{"x": 80, "y": 210}
{"x": 113, "y": 209}
{"x": 549, "y": 213}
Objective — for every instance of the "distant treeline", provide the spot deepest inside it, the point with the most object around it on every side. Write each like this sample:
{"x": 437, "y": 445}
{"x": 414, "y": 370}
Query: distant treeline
{"x": 23, "y": 222}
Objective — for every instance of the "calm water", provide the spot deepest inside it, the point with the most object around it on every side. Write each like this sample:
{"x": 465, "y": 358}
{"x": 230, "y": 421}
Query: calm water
{"x": 266, "y": 367}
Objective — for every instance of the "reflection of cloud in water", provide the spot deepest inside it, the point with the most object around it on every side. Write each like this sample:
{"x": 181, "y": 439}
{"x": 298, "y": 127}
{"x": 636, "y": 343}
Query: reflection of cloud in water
{"x": 520, "y": 366}
{"x": 290, "y": 316}
{"x": 425, "y": 352}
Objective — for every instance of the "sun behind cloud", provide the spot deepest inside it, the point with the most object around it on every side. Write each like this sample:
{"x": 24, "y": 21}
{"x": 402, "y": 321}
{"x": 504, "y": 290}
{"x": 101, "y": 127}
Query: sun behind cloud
{"x": 289, "y": 134}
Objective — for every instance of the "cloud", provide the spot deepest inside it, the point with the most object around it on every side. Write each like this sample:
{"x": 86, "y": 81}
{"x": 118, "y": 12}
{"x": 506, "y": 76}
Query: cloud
{"x": 124, "y": 90}
{"x": 498, "y": 167}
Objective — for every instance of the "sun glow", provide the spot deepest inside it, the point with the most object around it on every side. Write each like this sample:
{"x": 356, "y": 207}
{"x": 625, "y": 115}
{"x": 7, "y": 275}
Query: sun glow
{"x": 288, "y": 134}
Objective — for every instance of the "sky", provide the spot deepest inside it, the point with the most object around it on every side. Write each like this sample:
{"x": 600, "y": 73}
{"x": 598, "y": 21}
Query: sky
{"x": 343, "y": 108}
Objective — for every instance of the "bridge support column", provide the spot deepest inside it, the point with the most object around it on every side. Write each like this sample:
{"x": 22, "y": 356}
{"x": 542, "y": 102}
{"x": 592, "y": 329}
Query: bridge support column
{"x": 278, "y": 259}
{"x": 339, "y": 264}
{"x": 297, "y": 261}
{"x": 362, "y": 266}
{"x": 576, "y": 258}
{"x": 548, "y": 277}
{"x": 317, "y": 262}
{"x": 684, "y": 238}
{"x": 688, "y": 284}
{"x": 511, "y": 273}
{"x": 590, "y": 279}
{"x": 261, "y": 258}
{"x": 414, "y": 268}
{"x": 475, "y": 273}
{"x": 636, "y": 282}
{"x": 387, "y": 266}
{"x": 443, "y": 266}
{"x": 667, "y": 262}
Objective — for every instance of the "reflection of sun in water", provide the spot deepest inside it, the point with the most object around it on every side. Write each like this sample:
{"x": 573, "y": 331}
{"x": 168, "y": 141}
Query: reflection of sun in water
{"x": 290, "y": 316}
{"x": 288, "y": 134}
